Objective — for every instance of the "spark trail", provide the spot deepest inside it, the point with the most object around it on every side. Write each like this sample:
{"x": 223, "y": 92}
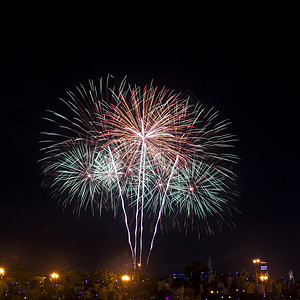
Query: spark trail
{"x": 161, "y": 208}
{"x": 123, "y": 204}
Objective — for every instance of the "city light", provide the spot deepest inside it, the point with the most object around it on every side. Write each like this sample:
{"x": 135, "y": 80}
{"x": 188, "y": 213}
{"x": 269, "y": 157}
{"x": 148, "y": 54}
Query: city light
{"x": 54, "y": 275}
{"x": 263, "y": 277}
{"x": 125, "y": 278}
{"x": 2, "y": 272}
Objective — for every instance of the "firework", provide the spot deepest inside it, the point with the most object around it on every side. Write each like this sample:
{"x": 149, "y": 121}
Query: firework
{"x": 141, "y": 151}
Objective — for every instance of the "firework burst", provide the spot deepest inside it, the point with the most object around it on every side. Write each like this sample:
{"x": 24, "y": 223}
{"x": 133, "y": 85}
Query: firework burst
{"x": 141, "y": 151}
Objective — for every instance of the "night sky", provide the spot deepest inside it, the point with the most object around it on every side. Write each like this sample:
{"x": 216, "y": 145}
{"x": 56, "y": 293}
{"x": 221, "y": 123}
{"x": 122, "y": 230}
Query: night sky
{"x": 239, "y": 57}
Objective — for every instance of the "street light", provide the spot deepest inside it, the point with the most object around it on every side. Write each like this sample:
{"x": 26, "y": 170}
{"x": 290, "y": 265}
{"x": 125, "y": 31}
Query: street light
{"x": 2, "y": 272}
{"x": 54, "y": 275}
{"x": 125, "y": 278}
{"x": 255, "y": 262}
{"x": 263, "y": 277}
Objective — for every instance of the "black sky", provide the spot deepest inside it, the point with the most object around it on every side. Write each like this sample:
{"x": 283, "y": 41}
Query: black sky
{"x": 242, "y": 58}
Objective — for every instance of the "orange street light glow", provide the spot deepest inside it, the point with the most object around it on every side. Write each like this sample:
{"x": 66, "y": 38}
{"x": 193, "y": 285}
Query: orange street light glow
{"x": 54, "y": 275}
{"x": 125, "y": 278}
{"x": 263, "y": 277}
